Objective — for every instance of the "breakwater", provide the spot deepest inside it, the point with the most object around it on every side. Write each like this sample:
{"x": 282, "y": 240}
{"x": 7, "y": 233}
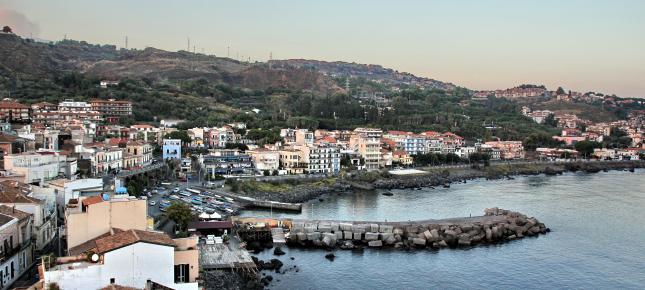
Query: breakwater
{"x": 495, "y": 226}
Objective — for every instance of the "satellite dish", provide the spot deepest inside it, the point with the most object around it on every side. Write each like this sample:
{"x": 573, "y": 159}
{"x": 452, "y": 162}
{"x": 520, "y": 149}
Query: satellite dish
{"x": 95, "y": 258}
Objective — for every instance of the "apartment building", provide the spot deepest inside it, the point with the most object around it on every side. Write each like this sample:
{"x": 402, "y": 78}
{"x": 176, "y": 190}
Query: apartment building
{"x": 292, "y": 161}
{"x": 320, "y": 159}
{"x": 11, "y": 111}
{"x": 409, "y": 142}
{"x": 171, "y": 149}
{"x": 99, "y": 158}
{"x": 18, "y": 195}
{"x": 111, "y": 107}
{"x": 39, "y": 166}
{"x": 367, "y": 142}
{"x": 264, "y": 159}
{"x": 226, "y": 162}
{"x": 508, "y": 149}
{"x": 139, "y": 154}
{"x": 73, "y": 106}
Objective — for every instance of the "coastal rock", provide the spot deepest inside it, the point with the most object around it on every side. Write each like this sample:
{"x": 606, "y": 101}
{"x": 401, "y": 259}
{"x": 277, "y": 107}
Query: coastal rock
{"x": 347, "y": 245}
{"x": 371, "y": 236}
{"x": 327, "y": 241}
{"x": 330, "y": 257}
{"x": 435, "y": 234}
{"x": 278, "y": 251}
{"x": 419, "y": 241}
{"x": 375, "y": 243}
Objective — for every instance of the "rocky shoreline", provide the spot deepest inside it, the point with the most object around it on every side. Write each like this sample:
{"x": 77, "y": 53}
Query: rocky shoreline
{"x": 436, "y": 177}
{"x": 496, "y": 226}
{"x": 300, "y": 193}
{"x": 445, "y": 178}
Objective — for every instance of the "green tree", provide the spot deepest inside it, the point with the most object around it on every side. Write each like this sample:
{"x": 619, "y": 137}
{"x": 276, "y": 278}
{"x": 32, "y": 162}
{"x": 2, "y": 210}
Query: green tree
{"x": 586, "y": 147}
{"x": 179, "y": 134}
{"x": 560, "y": 91}
{"x": 180, "y": 213}
{"x": 537, "y": 140}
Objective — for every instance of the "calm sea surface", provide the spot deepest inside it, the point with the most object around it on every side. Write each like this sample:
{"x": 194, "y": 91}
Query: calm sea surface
{"x": 597, "y": 239}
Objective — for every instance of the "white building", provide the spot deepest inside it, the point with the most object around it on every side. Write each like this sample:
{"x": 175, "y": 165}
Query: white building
{"x": 102, "y": 158}
{"x": 321, "y": 159}
{"x": 126, "y": 258}
{"x": 264, "y": 159}
{"x": 65, "y": 189}
{"x": 464, "y": 152}
{"x": 72, "y": 106}
{"x": 38, "y": 166}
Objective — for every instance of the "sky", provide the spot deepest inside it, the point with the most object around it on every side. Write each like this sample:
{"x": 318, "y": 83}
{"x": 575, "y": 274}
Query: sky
{"x": 582, "y": 45}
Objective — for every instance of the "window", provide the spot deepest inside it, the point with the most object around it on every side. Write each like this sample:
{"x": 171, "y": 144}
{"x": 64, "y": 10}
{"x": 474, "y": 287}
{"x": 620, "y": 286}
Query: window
{"x": 112, "y": 280}
{"x": 181, "y": 273}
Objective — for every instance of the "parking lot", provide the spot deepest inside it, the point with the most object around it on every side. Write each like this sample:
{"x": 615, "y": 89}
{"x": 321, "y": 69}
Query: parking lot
{"x": 199, "y": 201}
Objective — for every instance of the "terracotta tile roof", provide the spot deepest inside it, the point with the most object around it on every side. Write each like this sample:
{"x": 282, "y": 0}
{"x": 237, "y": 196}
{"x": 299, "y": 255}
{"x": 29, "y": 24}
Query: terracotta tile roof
{"x": 398, "y": 133}
{"x": 87, "y": 246}
{"x": 399, "y": 153}
{"x": 12, "y": 191}
{"x": 129, "y": 237}
{"x": 430, "y": 133}
{"x": 15, "y": 196}
{"x": 12, "y": 211}
{"x": 92, "y": 200}
{"x": 328, "y": 139}
{"x": 12, "y": 105}
{"x": 4, "y": 138}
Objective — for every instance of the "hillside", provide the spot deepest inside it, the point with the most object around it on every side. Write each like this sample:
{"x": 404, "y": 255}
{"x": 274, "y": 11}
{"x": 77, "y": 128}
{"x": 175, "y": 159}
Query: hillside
{"x": 26, "y": 59}
{"x": 367, "y": 71}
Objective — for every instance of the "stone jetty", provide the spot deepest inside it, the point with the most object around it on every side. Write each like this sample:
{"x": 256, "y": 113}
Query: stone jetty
{"x": 495, "y": 226}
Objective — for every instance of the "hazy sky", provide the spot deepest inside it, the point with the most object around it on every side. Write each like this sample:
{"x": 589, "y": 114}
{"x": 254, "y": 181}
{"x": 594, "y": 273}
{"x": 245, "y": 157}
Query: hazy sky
{"x": 582, "y": 45}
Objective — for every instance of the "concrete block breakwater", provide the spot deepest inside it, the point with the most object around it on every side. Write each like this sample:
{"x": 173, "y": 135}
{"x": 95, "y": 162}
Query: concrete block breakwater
{"x": 496, "y": 226}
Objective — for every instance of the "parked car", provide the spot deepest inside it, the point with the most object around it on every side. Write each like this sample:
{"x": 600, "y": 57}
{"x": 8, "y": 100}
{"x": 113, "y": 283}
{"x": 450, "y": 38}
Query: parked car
{"x": 152, "y": 203}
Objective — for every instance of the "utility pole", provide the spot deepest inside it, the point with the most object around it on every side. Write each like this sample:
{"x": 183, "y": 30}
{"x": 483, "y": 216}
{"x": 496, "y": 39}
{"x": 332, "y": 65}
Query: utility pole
{"x": 188, "y": 46}
{"x": 228, "y": 51}
{"x": 126, "y": 42}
